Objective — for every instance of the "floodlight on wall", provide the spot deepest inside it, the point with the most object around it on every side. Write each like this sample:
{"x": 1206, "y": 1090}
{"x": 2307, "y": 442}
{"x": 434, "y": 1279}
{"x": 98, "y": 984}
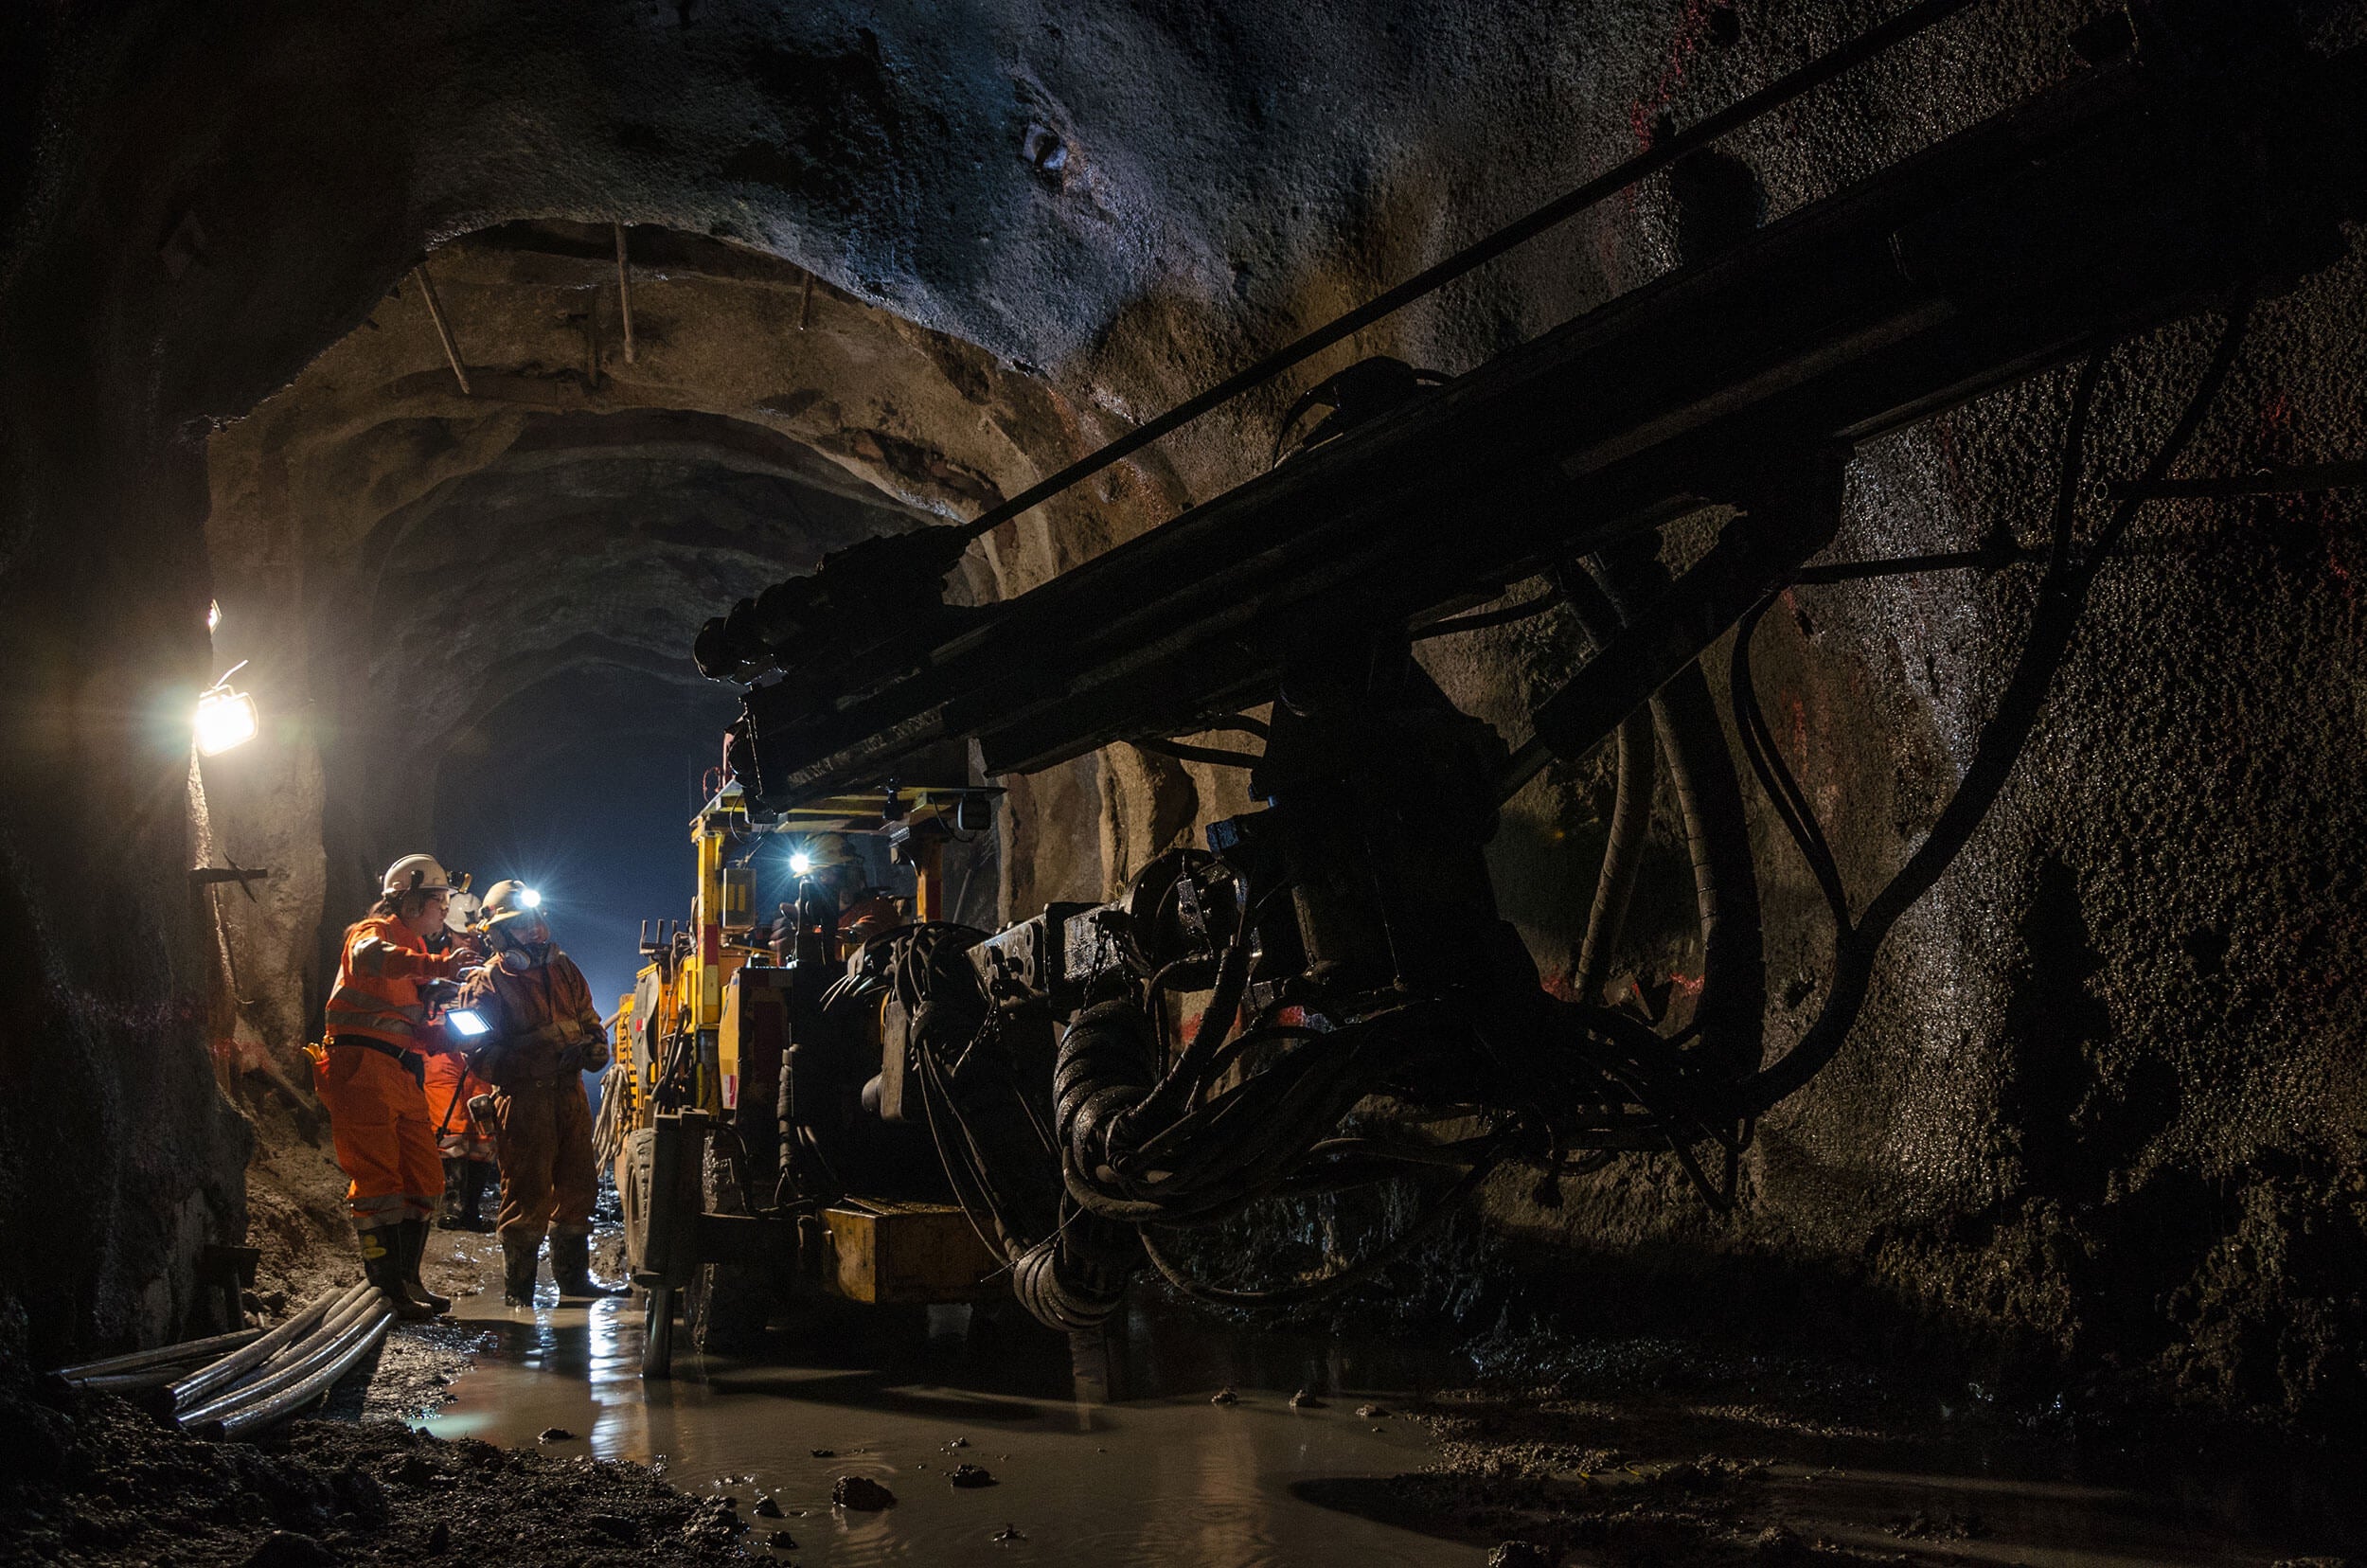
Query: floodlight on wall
{"x": 213, "y": 614}
{"x": 225, "y": 717}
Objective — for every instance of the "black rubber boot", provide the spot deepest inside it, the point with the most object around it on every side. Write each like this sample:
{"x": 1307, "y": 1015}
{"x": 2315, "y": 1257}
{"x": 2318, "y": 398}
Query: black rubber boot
{"x": 519, "y": 1254}
{"x": 383, "y": 1265}
{"x": 571, "y": 1265}
{"x": 414, "y": 1253}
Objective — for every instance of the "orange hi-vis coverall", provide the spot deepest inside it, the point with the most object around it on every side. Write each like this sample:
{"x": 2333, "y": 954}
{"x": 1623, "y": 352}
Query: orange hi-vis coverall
{"x": 547, "y": 1032}
{"x": 370, "y": 1069}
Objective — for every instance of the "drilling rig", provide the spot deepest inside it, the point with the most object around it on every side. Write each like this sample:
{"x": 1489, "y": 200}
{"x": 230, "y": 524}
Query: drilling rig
{"x": 1363, "y": 1014}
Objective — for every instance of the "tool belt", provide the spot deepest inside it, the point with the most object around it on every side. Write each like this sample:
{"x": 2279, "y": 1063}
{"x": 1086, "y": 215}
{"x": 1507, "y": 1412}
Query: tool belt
{"x": 411, "y": 1061}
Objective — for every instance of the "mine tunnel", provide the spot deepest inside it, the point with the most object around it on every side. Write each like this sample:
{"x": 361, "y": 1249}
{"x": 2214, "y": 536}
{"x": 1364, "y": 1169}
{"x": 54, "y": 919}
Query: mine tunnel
{"x": 1431, "y": 784}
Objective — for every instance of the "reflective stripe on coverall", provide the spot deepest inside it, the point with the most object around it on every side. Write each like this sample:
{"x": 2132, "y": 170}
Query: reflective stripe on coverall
{"x": 385, "y": 1143}
{"x": 377, "y": 1113}
{"x": 379, "y": 972}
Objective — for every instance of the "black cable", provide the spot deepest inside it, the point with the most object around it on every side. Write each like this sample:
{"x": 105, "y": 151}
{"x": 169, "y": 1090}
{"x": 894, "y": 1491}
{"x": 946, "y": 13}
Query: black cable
{"x": 1660, "y": 154}
{"x": 2054, "y": 621}
{"x": 1635, "y": 775}
{"x": 1701, "y": 777}
{"x": 1775, "y": 777}
{"x": 1505, "y": 616}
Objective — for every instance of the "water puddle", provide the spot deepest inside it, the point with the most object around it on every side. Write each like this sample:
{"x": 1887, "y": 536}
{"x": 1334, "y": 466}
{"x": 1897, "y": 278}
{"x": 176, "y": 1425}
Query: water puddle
{"x": 1163, "y": 1478}
{"x": 1614, "y": 1474}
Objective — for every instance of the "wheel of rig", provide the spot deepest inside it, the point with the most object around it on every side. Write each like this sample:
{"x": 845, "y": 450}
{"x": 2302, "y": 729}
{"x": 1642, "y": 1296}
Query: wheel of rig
{"x": 657, "y": 1332}
{"x": 726, "y": 1307}
{"x": 633, "y": 1194}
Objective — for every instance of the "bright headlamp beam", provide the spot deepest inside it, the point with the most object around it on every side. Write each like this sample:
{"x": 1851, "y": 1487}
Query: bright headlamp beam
{"x": 530, "y": 898}
{"x": 799, "y": 863}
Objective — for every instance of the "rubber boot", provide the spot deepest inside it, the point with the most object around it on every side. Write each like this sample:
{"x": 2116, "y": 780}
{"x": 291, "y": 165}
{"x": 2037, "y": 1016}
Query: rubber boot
{"x": 413, "y": 1254}
{"x": 519, "y": 1256}
{"x": 448, "y": 1218}
{"x": 571, "y": 1265}
{"x": 382, "y": 1265}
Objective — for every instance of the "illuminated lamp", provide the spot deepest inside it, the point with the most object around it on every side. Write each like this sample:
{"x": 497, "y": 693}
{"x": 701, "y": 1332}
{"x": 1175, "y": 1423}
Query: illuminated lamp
{"x": 225, "y": 717}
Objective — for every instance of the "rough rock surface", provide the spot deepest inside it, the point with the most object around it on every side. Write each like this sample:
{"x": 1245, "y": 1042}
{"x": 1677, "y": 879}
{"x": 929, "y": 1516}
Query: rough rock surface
{"x": 2103, "y": 1110}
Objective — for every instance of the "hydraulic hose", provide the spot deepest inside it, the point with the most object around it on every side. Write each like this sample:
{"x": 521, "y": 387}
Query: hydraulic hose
{"x": 1636, "y": 772}
{"x": 194, "y": 1387}
{"x": 321, "y": 1373}
{"x": 291, "y": 1366}
{"x": 1075, "y": 1279}
{"x": 1623, "y": 855}
{"x": 1107, "y": 1066}
{"x": 1717, "y": 832}
{"x": 98, "y": 1374}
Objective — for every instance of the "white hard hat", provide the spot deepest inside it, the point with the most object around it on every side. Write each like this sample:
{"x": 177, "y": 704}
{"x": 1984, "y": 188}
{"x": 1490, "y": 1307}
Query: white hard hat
{"x": 509, "y": 900}
{"x": 417, "y": 874}
{"x": 461, "y": 912}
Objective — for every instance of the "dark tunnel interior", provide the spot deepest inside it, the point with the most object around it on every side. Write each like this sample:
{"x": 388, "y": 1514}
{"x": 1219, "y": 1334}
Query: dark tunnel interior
{"x": 1731, "y": 840}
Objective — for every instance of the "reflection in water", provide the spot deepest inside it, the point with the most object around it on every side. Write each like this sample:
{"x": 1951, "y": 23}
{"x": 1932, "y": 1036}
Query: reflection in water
{"x": 1166, "y": 1477}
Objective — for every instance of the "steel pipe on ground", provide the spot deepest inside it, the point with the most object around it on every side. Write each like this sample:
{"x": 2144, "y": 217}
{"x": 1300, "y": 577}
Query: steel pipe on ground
{"x": 291, "y": 1366}
{"x": 358, "y": 1340}
{"x": 196, "y": 1385}
{"x": 163, "y": 1355}
{"x": 129, "y": 1382}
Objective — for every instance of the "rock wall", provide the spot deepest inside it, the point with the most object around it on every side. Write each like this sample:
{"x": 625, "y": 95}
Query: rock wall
{"x": 2104, "y": 1101}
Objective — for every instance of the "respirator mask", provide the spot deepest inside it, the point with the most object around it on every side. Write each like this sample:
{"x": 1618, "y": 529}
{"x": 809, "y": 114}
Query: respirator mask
{"x": 515, "y": 953}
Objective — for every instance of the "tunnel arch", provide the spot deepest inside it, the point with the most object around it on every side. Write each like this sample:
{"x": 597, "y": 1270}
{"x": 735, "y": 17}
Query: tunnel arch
{"x": 221, "y": 206}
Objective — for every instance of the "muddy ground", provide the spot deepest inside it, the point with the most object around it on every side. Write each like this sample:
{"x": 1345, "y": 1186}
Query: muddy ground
{"x": 1646, "y": 1452}
{"x": 98, "y": 1482}
{"x": 1548, "y": 1449}
{"x": 1627, "y": 1454}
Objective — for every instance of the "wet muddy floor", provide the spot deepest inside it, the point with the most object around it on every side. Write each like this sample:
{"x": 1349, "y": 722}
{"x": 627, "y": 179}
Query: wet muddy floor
{"x": 1636, "y": 1453}
{"x": 1166, "y": 1477}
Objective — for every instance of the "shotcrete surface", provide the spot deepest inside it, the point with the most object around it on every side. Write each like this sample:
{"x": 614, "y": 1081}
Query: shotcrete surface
{"x": 2100, "y": 1123}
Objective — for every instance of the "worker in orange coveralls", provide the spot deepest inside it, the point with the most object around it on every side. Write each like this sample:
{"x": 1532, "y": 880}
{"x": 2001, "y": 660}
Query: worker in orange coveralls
{"x": 370, "y": 1074}
{"x": 466, "y": 1147}
{"x": 545, "y": 1033}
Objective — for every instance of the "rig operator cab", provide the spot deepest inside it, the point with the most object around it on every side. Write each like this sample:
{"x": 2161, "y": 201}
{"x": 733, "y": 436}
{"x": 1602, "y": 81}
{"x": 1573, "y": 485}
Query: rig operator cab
{"x": 759, "y": 1146}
